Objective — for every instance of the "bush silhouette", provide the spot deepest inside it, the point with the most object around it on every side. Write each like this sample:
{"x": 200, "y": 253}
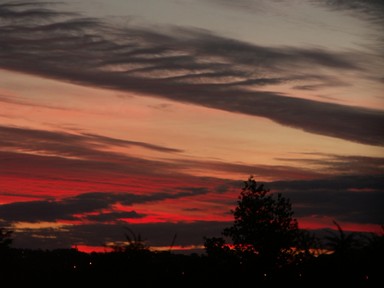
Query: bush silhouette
{"x": 5, "y": 238}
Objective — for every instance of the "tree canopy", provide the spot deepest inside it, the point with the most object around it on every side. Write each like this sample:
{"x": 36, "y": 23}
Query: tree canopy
{"x": 263, "y": 227}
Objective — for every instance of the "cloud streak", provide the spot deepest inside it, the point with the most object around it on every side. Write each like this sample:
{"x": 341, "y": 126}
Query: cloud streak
{"x": 83, "y": 157}
{"x": 63, "y": 143}
{"x": 72, "y": 208}
{"x": 187, "y": 65}
{"x": 357, "y": 198}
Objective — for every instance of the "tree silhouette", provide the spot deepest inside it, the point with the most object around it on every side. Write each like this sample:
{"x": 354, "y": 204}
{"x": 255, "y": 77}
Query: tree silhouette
{"x": 216, "y": 247}
{"x": 263, "y": 226}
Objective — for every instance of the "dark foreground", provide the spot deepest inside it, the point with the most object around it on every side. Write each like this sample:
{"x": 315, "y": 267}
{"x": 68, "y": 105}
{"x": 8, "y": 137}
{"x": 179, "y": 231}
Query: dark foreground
{"x": 69, "y": 268}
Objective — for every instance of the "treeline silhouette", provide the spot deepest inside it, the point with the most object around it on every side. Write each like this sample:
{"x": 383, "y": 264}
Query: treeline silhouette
{"x": 263, "y": 248}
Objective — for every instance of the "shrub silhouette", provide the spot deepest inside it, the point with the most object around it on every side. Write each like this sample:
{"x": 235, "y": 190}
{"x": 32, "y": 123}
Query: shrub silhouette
{"x": 133, "y": 243}
{"x": 5, "y": 238}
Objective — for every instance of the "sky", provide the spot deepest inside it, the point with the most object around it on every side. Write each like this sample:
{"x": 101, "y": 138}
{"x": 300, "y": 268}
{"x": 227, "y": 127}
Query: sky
{"x": 147, "y": 116}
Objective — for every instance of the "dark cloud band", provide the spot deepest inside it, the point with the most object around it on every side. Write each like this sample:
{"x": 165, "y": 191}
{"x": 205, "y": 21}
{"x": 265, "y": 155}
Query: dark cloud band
{"x": 185, "y": 65}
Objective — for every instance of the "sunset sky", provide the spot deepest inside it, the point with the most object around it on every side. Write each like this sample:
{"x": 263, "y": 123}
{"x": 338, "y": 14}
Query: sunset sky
{"x": 150, "y": 115}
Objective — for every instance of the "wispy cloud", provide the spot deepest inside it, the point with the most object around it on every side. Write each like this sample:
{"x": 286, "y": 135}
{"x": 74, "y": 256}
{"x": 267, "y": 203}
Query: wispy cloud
{"x": 86, "y": 157}
{"x": 357, "y": 198}
{"x": 371, "y": 11}
{"x": 66, "y": 144}
{"x": 187, "y": 65}
{"x": 332, "y": 163}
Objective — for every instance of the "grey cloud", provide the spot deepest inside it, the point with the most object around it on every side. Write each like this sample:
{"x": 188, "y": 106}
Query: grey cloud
{"x": 52, "y": 210}
{"x": 120, "y": 142}
{"x": 92, "y": 159}
{"x": 371, "y": 8}
{"x": 88, "y": 149}
{"x": 113, "y": 216}
{"x": 51, "y": 148}
{"x": 354, "y": 207}
{"x": 345, "y": 164}
{"x": 350, "y": 198}
{"x": 97, "y": 164}
{"x": 29, "y": 10}
{"x": 374, "y": 182}
{"x": 65, "y": 143}
{"x": 371, "y": 11}
{"x": 191, "y": 66}
{"x": 35, "y": 211}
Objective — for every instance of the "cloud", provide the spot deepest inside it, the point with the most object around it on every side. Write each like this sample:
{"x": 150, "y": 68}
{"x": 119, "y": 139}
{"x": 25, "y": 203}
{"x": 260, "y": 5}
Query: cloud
{"x": 187, "y": 65}
{"x": 73, "y": 208}
{"x": 84, "y": 162}
{"x": 34, "y": 10}
{"x": 341, "y": 164}
{"x": 357, "y": 198}
{"x": 113, "y": 216}
{"x": 347, "y": 199}
{"x": 370, "y": 11}
{"x": 84, "y": 151}
{"x": 90, "y": 156}
{"x": 373, "y": 9}
{"x": 97, "y": 234}
{"x": 62, "y": 143}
